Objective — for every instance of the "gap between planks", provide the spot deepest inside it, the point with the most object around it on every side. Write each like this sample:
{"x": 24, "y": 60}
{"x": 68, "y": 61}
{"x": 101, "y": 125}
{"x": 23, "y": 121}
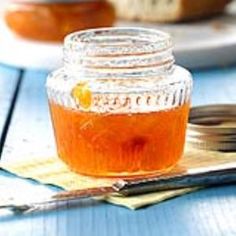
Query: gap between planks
{"x": 11, "y": 109}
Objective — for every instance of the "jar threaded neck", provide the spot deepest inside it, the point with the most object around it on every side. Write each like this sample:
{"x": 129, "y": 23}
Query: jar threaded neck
{"x": 135, "y": 51}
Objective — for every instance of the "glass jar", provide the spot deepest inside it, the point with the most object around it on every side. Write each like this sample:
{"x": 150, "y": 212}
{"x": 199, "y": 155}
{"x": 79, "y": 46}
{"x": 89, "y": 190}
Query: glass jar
{"x": 52, "y": 20}
{"x": 119, "y": 105}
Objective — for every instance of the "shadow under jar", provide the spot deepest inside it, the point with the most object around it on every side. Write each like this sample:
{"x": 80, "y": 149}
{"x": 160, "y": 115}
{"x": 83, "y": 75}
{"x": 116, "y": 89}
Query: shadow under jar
{"x": 119, "y": 105}
{"x": 52, "y": 20}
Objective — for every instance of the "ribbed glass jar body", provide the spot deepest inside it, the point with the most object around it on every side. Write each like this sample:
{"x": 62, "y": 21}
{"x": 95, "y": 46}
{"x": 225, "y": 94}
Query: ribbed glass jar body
{"x": 119, "y": 106}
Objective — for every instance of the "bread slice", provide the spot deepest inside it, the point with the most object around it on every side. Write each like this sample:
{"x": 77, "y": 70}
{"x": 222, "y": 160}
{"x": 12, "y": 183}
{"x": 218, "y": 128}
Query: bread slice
{"x": 168, "y": 10}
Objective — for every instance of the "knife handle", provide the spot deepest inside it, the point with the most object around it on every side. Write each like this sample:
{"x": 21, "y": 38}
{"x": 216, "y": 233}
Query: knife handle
{"x": 225, "y": 175}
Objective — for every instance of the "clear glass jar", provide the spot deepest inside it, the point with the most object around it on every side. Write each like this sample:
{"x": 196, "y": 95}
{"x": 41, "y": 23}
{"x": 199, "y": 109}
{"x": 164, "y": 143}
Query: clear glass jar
{"x": 52, "y": 20}
{"x": 119, "y": 105}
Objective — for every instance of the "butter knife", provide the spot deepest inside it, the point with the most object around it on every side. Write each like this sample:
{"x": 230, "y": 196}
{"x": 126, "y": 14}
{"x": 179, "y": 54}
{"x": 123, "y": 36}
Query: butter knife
{"x": 205, "y": 176}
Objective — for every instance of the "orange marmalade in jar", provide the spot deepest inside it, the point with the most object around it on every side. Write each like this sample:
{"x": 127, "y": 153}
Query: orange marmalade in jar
{"x": 52, "y": 20}
{"x": 119, "y": 105}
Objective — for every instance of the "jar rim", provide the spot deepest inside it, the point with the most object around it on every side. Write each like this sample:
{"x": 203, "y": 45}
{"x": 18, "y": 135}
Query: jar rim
{"x": 118, "y": 41}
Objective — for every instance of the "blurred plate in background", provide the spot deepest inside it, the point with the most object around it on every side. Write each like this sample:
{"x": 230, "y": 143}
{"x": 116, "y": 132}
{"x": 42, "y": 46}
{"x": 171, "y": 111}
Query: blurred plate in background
{"x": 197, "y": 45}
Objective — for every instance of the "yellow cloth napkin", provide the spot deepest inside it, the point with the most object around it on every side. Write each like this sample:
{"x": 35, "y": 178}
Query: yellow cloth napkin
{"x": 52, "y": 170}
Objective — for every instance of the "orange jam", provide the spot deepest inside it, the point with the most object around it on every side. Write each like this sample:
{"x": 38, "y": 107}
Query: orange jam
{"x": 53, "y": 21}
{"x": 125, "y": 144}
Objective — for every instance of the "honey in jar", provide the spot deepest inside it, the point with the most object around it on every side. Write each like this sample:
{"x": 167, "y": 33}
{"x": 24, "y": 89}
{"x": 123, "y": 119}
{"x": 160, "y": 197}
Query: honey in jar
{"x": 52, "y": 20}
{"x": 119, "y": 106}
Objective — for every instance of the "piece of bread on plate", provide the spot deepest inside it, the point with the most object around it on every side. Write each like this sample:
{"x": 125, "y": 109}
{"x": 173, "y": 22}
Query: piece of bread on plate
{"x": 168, "y": 10}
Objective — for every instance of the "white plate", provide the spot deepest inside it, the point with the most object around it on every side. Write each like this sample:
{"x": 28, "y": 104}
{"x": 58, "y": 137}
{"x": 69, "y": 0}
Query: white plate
{"x": 204, "y": 44}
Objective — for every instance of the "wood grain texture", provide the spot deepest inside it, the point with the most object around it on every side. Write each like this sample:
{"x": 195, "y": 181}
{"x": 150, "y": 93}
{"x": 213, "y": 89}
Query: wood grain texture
{"x": 207, "y": 212}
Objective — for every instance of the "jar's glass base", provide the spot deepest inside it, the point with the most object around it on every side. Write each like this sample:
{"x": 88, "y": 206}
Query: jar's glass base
{"x": 128, "y": 175}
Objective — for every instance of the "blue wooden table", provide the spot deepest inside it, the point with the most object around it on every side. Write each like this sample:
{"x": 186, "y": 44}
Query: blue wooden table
{"x": 26, "y": 130}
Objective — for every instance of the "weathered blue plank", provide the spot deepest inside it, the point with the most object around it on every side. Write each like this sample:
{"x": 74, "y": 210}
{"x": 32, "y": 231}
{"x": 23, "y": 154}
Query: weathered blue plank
{"x": 207, "y": 212}
{"x": 214, "y": 86}
{"x": 30, "y": 133}
{"x": 8, "y": 83}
